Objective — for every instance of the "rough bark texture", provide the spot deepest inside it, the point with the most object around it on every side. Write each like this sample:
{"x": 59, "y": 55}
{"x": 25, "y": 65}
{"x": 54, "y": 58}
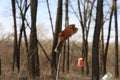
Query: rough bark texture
{"x": 33, "y": 64}
{"x": 107, "y": 44}
{"x": 58, "y": 27}
{"x": 16, "y": 55}
{"x": 68, "y": 42}
{"x": 95, "y": 47}
{"x": 116, "y": 40}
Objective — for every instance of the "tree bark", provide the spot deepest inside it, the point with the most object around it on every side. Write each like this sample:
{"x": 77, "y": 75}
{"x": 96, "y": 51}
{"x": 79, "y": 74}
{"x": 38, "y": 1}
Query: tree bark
{"x": 95, "y": 47}
{"x": 85, "y": 20}
{"x": 101, "y": 51}
{"x": 22, "y": 29}
{"x": 33, "y": 63}
{"x": 83, "y": 35}
{"x": 16, "y": 55}
{"x": 107, "y": 44}
{"x": 58, "y": 27}
{"x": 116, "y": 40}
{"x": 68, "y": 41}
{"x": 64, "y": 51}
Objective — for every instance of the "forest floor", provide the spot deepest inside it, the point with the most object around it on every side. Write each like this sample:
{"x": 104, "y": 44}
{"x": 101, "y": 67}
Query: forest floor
{"x": 6, "y": 54}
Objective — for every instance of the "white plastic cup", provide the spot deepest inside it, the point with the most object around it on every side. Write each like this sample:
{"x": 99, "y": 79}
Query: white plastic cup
{"x": 107, "y": 76}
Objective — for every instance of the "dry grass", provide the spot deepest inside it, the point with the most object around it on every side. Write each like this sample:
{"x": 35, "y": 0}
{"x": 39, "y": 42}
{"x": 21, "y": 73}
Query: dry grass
{"x": 6, "y": 53}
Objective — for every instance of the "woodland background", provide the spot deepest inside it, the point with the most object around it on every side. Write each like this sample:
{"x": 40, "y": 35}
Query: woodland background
{"x": 26, "y": 54}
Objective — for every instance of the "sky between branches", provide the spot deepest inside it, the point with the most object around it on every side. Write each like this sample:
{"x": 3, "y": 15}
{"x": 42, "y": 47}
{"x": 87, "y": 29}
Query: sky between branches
{"x": 6, "y": 20}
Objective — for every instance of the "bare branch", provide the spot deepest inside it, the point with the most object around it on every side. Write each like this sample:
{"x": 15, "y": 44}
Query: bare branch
{"x": 50, "y": 17}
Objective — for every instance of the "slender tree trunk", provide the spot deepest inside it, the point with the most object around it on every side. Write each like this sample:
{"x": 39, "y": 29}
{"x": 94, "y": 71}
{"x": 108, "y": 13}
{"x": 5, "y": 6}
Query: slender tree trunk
{"x": 68, "y": 42}
{"x": 86, "y": 57}
{"x": 83, "y": 35}
{"x": 58, "y": 27}
{"x": 107, "y": 44}
{"x": 101, "y": 50}
{"x": 85, "y": 30}
{"x": 102, "y": 55}
{"x": 23, "y": 14}
{"x": 95, "y": 47}
{"x": 116, "y": 40}
{"x": 26, "y": 41}
{"x": 33, "y": 64}
{"x": 64, "y": 51}
{"x": 68, "y": 55}
{"x": 16, "y": 56}
{"x": 24, "y": 30}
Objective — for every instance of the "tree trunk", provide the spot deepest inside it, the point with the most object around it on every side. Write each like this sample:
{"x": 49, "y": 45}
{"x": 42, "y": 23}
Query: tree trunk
{"x": 85, "y": 20}
{"x": 22, "y": 29}
{"x": 95, "y": 47}
{"x": 83, "y": 35}
{"x": 68, "y": 55}
{"x": 68, "y": 42}
{"x": 107, "y": 44}
{"x": 116, "y": 40}
{"x": 64, "y": 51}
{"x": 87, "y": 32}
{"x": 101, "y": 51}
{"x": 16, "y": 55}
{"x": 33, "y": 64}
{"x": 58, "y": 27}
{"x": 86, "y": 57}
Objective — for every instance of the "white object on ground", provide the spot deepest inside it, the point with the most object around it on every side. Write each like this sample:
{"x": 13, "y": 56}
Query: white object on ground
{"x": 107, "y": 76}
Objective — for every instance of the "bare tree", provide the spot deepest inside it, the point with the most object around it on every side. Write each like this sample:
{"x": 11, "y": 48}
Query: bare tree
{"x": 95, "y": 47}
{"x": 68, "y": 41}
{"x": 58, "y": 27}
{"x": 85, "y": 21}
{"x": 116, "y": 40}
{"x": 33, "y": 63}
{"x": 23, "y": 10}
{"x": 107, "y": 44}
{"x": 16, "y": 55}
{"x": 66, "y": 51}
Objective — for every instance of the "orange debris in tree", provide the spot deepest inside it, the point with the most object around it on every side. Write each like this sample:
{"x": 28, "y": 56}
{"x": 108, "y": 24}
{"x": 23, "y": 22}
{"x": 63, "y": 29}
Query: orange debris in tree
{"x": 65, "y": 34}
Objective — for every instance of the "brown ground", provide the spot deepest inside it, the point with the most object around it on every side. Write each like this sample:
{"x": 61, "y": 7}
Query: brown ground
{"x": 6, "y": 53}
